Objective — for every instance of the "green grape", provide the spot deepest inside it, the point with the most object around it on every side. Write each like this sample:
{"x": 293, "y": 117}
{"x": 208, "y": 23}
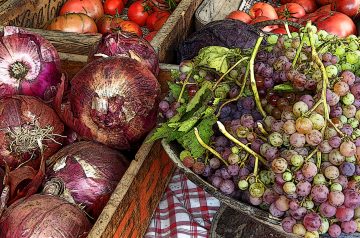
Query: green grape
{"x": 311, "y": 234}
{"x": 356, "y": 133}
{"x": 297, "y": 160}
{"x": 272, "y": 39}
{"x": 351, "y": 38}
{"x": 294, "y": 34}
{"x": 275, "y": 139}
{"x": 317, "y": 75}
{"x": 351, "y": 159}
{"x": 331, "y": 71}
{"x": 306, "y": 40}
{"x": 287, "y": 176}
{"x": 351, "y": 57}
{"x": 330, "y": 37}
{"x": 343, "y": 119}
{"x": 336, "y": 187}
{"x": 269, "y": 48}
{"x": 256, "y": 190}
{"x": 289, "y": 188}
{"x": 324, "y": 227}
{"x": 348, "y": 99}
{"x": 243, "y": 184}
{"x": 308, "y": 204}
{"x": 340, "y": 51}
{"x": 287, "y": 44}
{"x": 235, "y": 150}
{"x": 347, "y": 66}
{"x": 322, "y": 34}
{"x": 356, "y": 178}
{"x": 319, "y": 179}
{"x": 353, "y": 122}
{"x": 353, "y": 45}
{"x": 234, "y": 74}
{"x": 357, "y": 115}
{"x": 184, "y": 153}
{"x": 317, "y": 120}
{"x": 264, "y": 176}
{"x": 252, "y": 180}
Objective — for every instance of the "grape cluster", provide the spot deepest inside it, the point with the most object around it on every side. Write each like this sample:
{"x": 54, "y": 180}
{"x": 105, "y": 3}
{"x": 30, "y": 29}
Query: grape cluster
{"x": 301, "y": 161}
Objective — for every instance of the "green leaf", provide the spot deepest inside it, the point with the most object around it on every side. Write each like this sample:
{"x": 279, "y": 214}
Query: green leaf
{"x": 174, "y": 89}
{"x": 214, "y": 57}
{"x": 188, "y": 124}
{"x": 181, "y": 110}
{"x": 189, "y": 141}
{"x": 196, "y": 99}
{"x": 285, "y": 87}
{"x": 164, "y": 131}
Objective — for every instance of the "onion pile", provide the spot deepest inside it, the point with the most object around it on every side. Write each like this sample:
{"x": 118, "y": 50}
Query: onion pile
{"x": 128, "y": 45}
{"x": 85, "y": 173}
{"x": 29, "y": 64}
{"x": 112, "y": 101}
{"x": 43, "y": 216}
{"x": 27, "y": 126}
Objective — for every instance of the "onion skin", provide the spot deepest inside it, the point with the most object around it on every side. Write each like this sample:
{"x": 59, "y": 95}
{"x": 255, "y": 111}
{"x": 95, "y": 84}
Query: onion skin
{"x": 43, "y": 216}
{"x": 18, "y": 111}
{"x": 129, "y": 45}
{"x": 113, "y": 101}
{"x": 42, "y": 72}
{"x": 89, "y": 173}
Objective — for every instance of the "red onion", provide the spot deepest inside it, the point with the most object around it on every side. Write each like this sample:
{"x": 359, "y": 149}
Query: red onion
{"x": 29, "y": 64}
{"x": 112, "y": 101}
{"x": 128, "y": 45}
{"x": 85, "y": 173}
{"x": 44, "y": 216}
{"x": 24, "y": 123}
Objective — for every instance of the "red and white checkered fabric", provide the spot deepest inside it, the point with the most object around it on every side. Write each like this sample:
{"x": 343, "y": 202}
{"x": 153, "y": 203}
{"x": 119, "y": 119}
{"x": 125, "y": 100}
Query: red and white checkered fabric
{"x": 185, "y": 211}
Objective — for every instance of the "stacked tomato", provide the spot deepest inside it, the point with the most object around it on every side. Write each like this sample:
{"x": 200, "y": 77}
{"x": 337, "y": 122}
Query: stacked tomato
{"x": 92, "y": 16}
{"x": 333, "y": 16}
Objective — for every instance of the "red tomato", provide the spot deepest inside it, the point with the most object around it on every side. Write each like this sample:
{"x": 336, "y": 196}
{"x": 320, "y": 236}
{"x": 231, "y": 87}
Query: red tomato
{"x": 92, "y": 8}
{"x": 348, "y": 7}
{"x": 154, "y": 17}
{"x": 150, "y": 36}
{"x": 138, "y": 12}
{"x": 263, "y": 9}
{"x": 108, "y": 23}
{"x": 324, "y": 2}
{"x": 159, "y": 23}
{"x": 325, "y": 8}
{"x": 73, "y": 22}
{"x": 113, "y": 7}
{"x": 280, "y": 31}
{"x": 239, "y": 15}
{"x": 308, "y": 5}
{"x": 132, "y": 27}
{"x": 290, "y": 11}
{"x": 336, "y": 23}
{"x": 115, "y": 23}
{"x": 261, "y": 19}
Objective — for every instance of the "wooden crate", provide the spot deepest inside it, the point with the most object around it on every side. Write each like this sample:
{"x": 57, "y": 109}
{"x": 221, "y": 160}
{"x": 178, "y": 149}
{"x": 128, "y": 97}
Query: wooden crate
{"x": 36, "y": 13}
{"x": 131, "y": 206}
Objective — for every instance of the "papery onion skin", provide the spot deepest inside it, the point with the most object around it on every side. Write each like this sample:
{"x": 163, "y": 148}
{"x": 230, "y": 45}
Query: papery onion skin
{"x": 35, "y": 61}
{"x": 19, "y": 111}
{"x": 44, "y": 216}
{"x": 113, "y": 101}
{"x": 88, "y": 172}
{"x": 129, "y": 45}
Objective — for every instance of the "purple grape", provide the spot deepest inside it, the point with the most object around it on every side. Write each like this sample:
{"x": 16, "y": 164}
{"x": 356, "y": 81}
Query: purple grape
{"x": 299, "y": 176}
{"x": 347, "y": 129}
{"x": 282, "y": 76}
{"x": 344, "y": 214}
{"x": 357, "y": 142}
{"x": 214, "y": 163}
{"x": 233, "y": 169}
{"x": 259, "y": 66}
{"x": 319, "y": 193}
{"x": 256, "y": 115}
{"x": 287, "y": 224}
{"x": 352, "y": 199}
{"x": 349, "y": 227}
{"x": 277, "y": 126}
{"x": 248, "y": 103}
{"x": 164, "y": 105}
{"x": 169, "y": 113}
{"x": 274, "y": 211}
{"x": 227, "y": 186}
{"x": 271, "y": 153}
{"x": 267, "y": 72}
{"x": 255, "y": 201}
{"x": 216, "y": 181}
{"x": 294, "y": 204}
{"x": 224, "y": 173}
{"x": 234, "y": 91}
{"x": 261, "y": 56}
{"x": 335, "y": 142}
{"x": 308, "y": 99}
{"x": 299, "y": 213}
{"x": 221, "y": 141}
{"x": 356, "y": 103}
{"x": 270, "y": 196}
{"x": 278, "y": 188}
{"x": 247, "y": 120}
{"x": 269, "y": 83}
{"x": 255, "y": 145}
{"x": 243, "y": 172}
{"x": 357, "y": 170}
{"x": 225, "y": 112}
{"x": 334, "y": 230}
{"x": 347, "y": 169}
{"x": 327, "y": 210}
{"x": 312, "y": 221}
{"x": 342, "y": 180}
{"x": 336, "y": 111}
{"x": 303, "y": 188}
{"x": 327, "y": 57}
{"x": 207, "y": 172}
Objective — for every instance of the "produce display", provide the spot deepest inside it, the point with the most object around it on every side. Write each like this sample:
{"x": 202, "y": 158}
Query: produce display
{"x": 274, "y": 125}
{"x": 62, "y": 140}
{"x": 142, "y": 17}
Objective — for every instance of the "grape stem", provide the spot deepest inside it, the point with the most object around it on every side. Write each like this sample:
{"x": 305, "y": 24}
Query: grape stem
{"x": 336, "y": 129}
{"x": 246, "y": 148}
{"x": 313, "y": 108}
{"x": 183, "y": 87}
{"x": 228, "y": 71}
{"x": 203, "y": 144}
{"x": 318, "y": 159}
{"x": 261, "y": 128}
{"x": 298, "y": 51}
{"x": 287, "y": 30}
{"x": 311, "y": 154}
{"x": 252, "y": 76}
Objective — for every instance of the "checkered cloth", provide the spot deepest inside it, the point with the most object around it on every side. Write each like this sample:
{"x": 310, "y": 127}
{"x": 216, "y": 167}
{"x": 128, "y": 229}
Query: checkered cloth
{"x": 185, "y": 211}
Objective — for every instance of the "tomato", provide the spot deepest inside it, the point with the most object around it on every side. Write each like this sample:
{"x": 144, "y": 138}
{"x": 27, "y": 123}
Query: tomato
{"x": 285, "y": 1}
{"x": 158, "y": 5}
{"x": 150, "y": 36}
{"x": 125, "y": 1}
{"x": 280, "y": 31}
{"x": 108, "y": 23}
{"x": 73, "y": 22}
{"x": 159, "y": 23}
{"x": 348, "y": 7}
{"x": 261, "y": 19}
{"x": 290, "y": 11}
{"x": 336, "y": 23}
{"x": 325, "y": 8}
{"x": 154, "y": 17}
{"x": 92, "y": 8}
{"x": 308, "y": 5}
{"x": 113, "y": 7}
{"x": 324, "y": 2}
{"x": 263, "y": 9}
{"x": 239, "y": 15}
{"x": 132, "y": 27}
{"x": 138, "y": 12}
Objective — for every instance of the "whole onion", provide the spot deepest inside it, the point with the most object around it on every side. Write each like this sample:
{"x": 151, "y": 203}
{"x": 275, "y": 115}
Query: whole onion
{"x": 112, "y": 101}
{"x": 128, "y": 45}
{"x": 43, "y": 216}
{"x": 26, "y": 125}
{"x": 29, "y": 64}
{"x": 85, "y": 173}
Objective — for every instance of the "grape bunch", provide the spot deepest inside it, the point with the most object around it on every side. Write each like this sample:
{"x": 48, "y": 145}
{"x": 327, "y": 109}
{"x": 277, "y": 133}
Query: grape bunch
{"x": 288, "y": 136}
